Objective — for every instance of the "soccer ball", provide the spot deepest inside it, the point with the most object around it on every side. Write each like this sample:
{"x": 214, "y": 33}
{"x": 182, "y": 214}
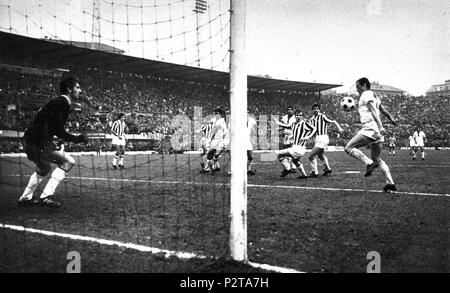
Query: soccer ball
{"x": 348, "y": 103}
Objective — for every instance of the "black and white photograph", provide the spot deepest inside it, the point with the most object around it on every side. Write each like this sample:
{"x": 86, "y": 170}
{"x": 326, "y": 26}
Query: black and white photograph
{"x": 224, "y": 142}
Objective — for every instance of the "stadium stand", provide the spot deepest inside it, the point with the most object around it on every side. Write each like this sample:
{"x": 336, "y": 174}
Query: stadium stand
{"x": 150, "y": 103}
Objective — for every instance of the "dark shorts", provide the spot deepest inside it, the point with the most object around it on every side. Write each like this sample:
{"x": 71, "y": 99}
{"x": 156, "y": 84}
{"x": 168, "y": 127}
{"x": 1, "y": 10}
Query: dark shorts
{"x": 33, "y": 151}
{"x": 37, "y": 153}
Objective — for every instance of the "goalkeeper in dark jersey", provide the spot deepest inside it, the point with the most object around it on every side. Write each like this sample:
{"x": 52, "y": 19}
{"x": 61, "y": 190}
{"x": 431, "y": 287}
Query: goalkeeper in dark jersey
{"x": 40, "y": 149}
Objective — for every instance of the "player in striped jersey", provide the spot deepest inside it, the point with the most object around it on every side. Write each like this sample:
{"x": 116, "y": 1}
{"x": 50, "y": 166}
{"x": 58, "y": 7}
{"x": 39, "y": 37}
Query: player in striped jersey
{"x": 118, "y": 130}
{"x": 218, "y": 145}
{"x": 321, "y": 140}
{"x": 205, "y": 142}
{"x": 301, "y": 132}
{"x": 288, "y": 119}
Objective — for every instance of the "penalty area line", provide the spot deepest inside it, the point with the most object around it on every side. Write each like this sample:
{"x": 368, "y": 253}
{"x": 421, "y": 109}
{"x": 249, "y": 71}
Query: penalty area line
{"x": 265, "y": 186}
{"x": 141, "y": 248}
{"x": 252, "y": 185}
{"x": 346, "y": 189}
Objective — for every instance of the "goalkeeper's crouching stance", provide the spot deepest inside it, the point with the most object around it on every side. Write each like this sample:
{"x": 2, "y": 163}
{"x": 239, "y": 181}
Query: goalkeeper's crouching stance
{"x": 40, "y": 149}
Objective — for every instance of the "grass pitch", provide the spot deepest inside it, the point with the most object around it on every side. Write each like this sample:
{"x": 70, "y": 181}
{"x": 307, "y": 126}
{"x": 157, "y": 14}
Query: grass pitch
{"x": 165, "y": 216}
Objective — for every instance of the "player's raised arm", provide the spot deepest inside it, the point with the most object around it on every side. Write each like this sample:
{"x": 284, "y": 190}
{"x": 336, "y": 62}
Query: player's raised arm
{"x": 387, "y": 114}
{"x": 284, "y": 125}
{"x": 311, "y": 130}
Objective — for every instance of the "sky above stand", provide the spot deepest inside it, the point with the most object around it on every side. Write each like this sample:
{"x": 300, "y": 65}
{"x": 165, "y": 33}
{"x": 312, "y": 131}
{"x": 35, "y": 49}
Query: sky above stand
{"x": 402, "y": 43}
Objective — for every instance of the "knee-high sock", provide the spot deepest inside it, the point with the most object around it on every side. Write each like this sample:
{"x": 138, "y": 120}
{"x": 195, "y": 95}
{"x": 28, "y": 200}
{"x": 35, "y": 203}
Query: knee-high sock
{"x": 33, "y": 183}
{"x": 216, "y": 164}
{"x": 58, "y": 175}
{"x": 357, "y": 154}
{"x": 115, "y": 160}
{"x": 300, "y": 168}
{"x": 325, "y": 161}
{"x": 286, "y": 164}
{"x": 423, "y": 154}
{"x": 203, "y": 160}
{"x": 387, "y": 173}
{"x": 249, "y": 165}
{"x": 314, "y": 165}
{"x": 121, "y": 160}
{"x": 293, "y": 166}
{"x": 208, "y": 165}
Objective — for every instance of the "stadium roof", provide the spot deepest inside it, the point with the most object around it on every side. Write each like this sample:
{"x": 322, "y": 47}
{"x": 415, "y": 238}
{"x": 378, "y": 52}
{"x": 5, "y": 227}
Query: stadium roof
{"x": 42, "y": 51}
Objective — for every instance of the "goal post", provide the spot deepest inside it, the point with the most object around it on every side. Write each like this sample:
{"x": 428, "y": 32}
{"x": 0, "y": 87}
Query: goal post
{"x": 238, "y": 109}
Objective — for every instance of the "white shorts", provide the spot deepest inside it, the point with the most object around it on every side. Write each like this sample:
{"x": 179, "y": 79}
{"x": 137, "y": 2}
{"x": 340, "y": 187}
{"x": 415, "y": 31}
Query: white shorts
{"x": 205, "y": 143}
{"x": 217, "y": 144}
{"x": 117, "y": 141}
{"x": 297, "y": 151}
{"x": 369, "y": 131}
{"x": 226, "y": 143}
{"x": 321, "y": 141}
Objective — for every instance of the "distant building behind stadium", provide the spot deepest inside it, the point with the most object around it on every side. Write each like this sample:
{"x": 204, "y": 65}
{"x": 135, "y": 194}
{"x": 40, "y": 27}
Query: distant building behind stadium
{"x": 380, "y": 89}
{"x": 387, "y": 90}
{"x": 439, "y": 89}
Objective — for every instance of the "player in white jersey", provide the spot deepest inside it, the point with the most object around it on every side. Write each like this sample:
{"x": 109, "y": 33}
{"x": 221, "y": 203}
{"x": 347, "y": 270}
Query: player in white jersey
{"x": 412, "y": 145}
{"x": 392, "y": 142}
{"x": 251, "y": 124}
{"x": 288, "y": 119}
{"x": 321, "y": 140}
{"x": 371, "y": 134}
{"x": 118, "y": 130}
{"x": 420, "y": 139}
{"x": 301, "y": 132}
{"x": 219, "y": 132}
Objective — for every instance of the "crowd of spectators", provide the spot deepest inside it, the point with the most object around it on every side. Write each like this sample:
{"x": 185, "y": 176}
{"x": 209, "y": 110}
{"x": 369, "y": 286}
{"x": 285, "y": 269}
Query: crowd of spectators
{"x": 150, "y": 104}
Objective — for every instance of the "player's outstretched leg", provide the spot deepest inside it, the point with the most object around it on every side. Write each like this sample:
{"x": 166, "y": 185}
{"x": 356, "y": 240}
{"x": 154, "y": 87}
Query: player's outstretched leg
{"x": 122, "y": 153}
{"x": 313, "y": 161}
{"x": 250, "y": 163}
{"x": 352, "y": 150}
{"x": 203, "y": 158}
{"x": 26, "y": 199}
{"x": 390, "y": 185}
{"x": 116, "y": 157}
{"x": 66, "y": 163}
{"x": 209, "y": 161}
{"x": 324, "y": 159}
{"x": 376, "y": 153}
{"x": 300, "y": 168}
{"x": 283, "y": 159}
